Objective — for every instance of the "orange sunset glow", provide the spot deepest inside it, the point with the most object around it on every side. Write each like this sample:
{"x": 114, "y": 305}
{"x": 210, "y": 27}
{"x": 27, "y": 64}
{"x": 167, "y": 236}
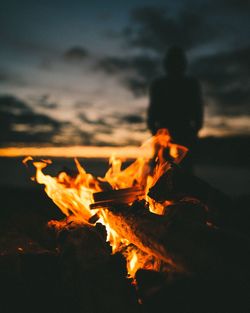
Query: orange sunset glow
{"x": 70, "y": 152}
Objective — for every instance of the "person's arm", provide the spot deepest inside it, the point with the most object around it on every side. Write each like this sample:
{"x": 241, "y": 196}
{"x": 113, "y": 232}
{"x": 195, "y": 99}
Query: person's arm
{"x": 151, "y": 113}
{"x": 199, "y": 111}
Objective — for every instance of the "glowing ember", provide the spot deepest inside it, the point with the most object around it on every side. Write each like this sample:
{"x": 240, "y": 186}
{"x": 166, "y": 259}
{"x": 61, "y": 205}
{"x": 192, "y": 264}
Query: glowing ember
{"x": 73, "y": 195}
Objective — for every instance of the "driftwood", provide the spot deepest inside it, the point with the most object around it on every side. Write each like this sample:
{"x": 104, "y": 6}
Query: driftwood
{"x": 176, "y": 184}
{"x": 187, "y": 245}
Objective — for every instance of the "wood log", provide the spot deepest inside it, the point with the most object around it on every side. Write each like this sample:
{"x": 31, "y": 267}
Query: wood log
{"x": 190, "y": 209}
{"x": 187, "y": 245}
{"x": 94, "y": 280}
{"x": 176, "y": 184}
{"x": 119, "y": 193}
{"x": 107, "y": 198}
{"x": 80, "y": 276}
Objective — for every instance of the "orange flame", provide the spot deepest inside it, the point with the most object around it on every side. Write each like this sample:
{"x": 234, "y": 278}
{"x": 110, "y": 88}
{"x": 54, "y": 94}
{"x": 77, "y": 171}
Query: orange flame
{"x": 73, "y": 195}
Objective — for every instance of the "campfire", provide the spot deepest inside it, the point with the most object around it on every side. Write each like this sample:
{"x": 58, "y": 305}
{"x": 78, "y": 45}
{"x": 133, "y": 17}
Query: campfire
{"x": 134, "y": 236}
{"x": 87, "y": 200}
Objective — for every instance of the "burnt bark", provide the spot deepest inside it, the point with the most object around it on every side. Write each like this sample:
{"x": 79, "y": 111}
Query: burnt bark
{"x": 81, "y": 275}
{"x": 94, "y": 280}
{"x": 176, "y": 184}
{"x": 188, "y": 245}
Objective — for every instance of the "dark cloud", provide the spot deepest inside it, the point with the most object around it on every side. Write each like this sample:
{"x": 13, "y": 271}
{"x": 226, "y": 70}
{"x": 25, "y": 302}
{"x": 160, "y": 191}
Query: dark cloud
{"x": 138, "y": 86}
{"x": 46, "y": 64}
{"x": 98, "y": 126}
{"x": 10, "y": 104}
{"x": 134, "y": 72}
{"x": 225, "y": 76}
{"x": 107, "y": 124}
{"x": 133, "y": 119}
{"x": 84, "y": 118}
{"x": 143, "y": 65}
{"x": 223, "y": 69}
{"x": 4, "y": 76}
{"x": 152, "y": 30}
{"x": 239, "y": 5}
{"x": 76, "y": 54}
{"x": 112, "y": 65}
{"x": 71, "y": 135}
{"x": 44, "y": 102}
{"x": 7, "y": 76}
{"x": 11, "y": 39}
{"x": 20, "y": 124}
{"x": 194, "y": 25}
{"x": 82, "y": 104}
{"x": 155, "y": 29}
{"x": 134, "y": 122}
{"x": 224, "y": 65}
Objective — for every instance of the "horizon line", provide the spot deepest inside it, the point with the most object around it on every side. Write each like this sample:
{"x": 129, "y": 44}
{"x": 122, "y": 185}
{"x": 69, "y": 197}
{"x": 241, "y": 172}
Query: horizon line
{"x": 77, "y": 151}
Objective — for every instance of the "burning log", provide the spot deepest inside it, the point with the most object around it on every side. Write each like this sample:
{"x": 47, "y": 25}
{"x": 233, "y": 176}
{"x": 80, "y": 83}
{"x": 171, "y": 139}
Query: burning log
{"x": 81, "y": 243}
{"x": 111, "y": 197}
{"x": 142, "y": 228}
{"x": 176, "y": 184}
{"x": 187, "y": 245}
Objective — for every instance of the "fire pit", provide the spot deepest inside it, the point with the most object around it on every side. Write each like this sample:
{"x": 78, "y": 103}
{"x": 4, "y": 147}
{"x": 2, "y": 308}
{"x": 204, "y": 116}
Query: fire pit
{"x": 146, "y": 237}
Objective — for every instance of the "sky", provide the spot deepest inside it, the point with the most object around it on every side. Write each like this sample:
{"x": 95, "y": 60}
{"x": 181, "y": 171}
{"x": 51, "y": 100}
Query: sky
{"x": 78, "y": 72}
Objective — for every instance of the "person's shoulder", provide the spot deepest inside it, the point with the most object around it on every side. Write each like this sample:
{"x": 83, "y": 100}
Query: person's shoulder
{"x": 193, "y": 81}
{"x": 158, "y": 81}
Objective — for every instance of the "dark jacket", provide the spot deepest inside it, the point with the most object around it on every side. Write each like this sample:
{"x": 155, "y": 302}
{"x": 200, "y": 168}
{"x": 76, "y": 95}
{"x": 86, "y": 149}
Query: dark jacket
{"x": 176, "y": 104}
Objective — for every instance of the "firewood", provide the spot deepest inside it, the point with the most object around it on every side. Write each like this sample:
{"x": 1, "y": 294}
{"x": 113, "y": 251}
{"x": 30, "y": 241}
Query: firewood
{"x": 93, "y": 279}
{"x": 176, "y": 184}
{"x": 80, "y": 276}
{"x": 187, "y": 208}
{"x": 187, "y": 245}
{"x": 119, "y": 193}
{"x": 83, "y": 244}
{"x": 107, "y": 198}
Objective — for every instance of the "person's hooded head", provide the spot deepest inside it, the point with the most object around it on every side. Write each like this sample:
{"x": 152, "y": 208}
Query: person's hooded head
{"x": 175, "y": 61}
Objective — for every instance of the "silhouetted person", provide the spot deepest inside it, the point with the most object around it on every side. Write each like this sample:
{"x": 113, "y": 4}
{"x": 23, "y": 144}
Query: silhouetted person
{"x": 176, "y": 104}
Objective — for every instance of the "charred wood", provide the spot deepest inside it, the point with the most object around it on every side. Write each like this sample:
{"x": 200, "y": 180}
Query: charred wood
{"x": 94, "y": 280}
{"x": 187, "y": 208}
{"x": 176, "y": 184}
{"x": 187, "y": 245}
